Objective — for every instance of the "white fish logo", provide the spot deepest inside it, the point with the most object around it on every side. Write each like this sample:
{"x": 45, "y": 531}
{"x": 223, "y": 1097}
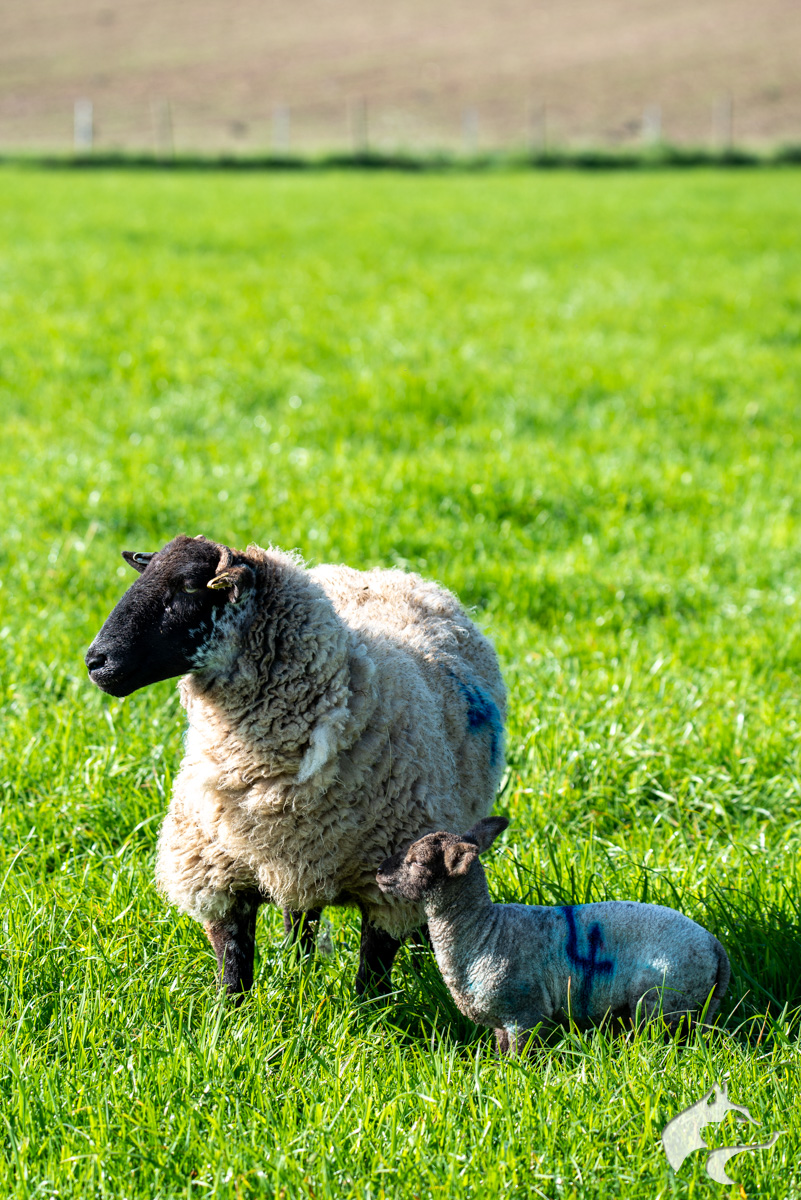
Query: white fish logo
{"x": 682, "y": 1135}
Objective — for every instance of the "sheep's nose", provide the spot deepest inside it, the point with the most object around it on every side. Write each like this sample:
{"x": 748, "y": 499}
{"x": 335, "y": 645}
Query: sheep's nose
{"x": 94, "y": 660}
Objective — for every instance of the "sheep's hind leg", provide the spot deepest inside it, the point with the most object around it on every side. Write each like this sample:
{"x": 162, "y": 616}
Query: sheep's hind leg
{"x": 376, "y": 955}
{"x": 301, "y": 927}
{"x": 234, "y": 942}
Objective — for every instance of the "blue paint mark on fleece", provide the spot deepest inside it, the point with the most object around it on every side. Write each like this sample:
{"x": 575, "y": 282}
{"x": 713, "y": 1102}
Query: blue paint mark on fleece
{"x": 482, "y": 711}
{"x": 589, "y": 965}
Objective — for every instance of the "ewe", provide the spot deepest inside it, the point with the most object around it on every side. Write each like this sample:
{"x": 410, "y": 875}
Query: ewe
{"x": 513, "y": 967}
{"x": 334, "y": 715}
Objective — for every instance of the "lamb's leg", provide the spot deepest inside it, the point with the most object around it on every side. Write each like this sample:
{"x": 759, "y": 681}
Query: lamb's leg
{"x": 515, "y": 1040}
{"x": 376, "y": 955}
{"x": 502, "y": 1041}
{"x": 676, "y": 1010}
{"x": 234, "y": 942}
{"x": 302, "y": 927}
{"x": 420, "y": 946}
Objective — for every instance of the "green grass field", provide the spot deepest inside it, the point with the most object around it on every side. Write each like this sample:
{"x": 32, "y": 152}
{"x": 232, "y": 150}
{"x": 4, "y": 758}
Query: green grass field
{"x": 575, "y": 401}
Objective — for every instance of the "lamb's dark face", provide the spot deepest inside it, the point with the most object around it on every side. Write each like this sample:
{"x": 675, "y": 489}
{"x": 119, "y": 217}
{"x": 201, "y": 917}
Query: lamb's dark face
{"x": 418, "y": 871}
{"x": 167, "y": 615}
{"x": 436, "y": 860}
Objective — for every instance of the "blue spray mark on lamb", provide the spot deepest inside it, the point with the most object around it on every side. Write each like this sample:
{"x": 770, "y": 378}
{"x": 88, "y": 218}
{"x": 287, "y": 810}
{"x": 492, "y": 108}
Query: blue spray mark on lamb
{"x": 590, "y": 965}
{"x": 482, "y": 712}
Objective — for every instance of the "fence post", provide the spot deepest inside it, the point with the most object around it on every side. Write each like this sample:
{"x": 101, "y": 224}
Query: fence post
{"x": 470, "y": 130}
{"x": 162, "y": 125}
{"x": 360, "y": 127}
{"x": 652, "y": 125}
{"x": 281, "y": 129}
{"x": 537, "y": 128}
{"x": 83, "y": 126}
{"x": 723, "y": 122}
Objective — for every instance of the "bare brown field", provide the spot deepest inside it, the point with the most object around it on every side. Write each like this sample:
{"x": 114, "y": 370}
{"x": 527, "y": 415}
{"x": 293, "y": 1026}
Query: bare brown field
{"x": 216, "y": 74}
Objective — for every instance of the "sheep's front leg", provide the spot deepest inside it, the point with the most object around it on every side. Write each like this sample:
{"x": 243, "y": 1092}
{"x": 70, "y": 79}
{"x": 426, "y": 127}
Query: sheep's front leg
{"x": 234, "y": 942}
{"x": 376, "y": 955}
{"x": 302, "y": 927}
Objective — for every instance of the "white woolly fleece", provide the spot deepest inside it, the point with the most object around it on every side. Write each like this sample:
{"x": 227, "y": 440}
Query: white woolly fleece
{"x": 336, "y": 716}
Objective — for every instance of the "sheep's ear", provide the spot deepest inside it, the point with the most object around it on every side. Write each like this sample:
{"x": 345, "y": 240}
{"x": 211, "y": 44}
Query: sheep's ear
{"x": 460, "y": 857}
{"x": 235, "y": 580}
{"x": 484, "y": 832}
{"x": 136, "y": 560}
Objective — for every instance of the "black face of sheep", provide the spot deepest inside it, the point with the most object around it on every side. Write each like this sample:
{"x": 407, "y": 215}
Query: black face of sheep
{"x": 160, "y": 625}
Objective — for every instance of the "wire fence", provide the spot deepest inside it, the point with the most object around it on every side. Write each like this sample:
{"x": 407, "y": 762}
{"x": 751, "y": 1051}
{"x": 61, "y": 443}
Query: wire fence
{"x": 163, "y": 128}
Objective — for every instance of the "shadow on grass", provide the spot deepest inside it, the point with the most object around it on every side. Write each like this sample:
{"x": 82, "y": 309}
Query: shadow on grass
{"x": 763, "y": 940}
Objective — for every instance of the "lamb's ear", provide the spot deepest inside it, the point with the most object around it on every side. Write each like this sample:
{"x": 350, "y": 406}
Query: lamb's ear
{"x": 459, "y": 857}
{"x": 484, "y": 832}
{"x": 236, "y": 580}
{"x": 136, "y": 560}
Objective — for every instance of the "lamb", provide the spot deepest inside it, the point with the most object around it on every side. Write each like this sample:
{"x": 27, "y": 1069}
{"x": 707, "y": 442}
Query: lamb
{"x": 333, "y": 716}
{"x": 515, "y": 967}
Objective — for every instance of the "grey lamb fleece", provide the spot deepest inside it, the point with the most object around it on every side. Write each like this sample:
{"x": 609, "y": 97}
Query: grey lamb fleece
{"x": 333, "y": 716}
{"x": 513, "y": 967}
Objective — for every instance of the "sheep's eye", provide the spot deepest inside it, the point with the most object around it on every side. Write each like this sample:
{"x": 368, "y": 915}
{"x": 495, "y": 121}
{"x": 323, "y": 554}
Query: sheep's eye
{"x": 189, "y": 589}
